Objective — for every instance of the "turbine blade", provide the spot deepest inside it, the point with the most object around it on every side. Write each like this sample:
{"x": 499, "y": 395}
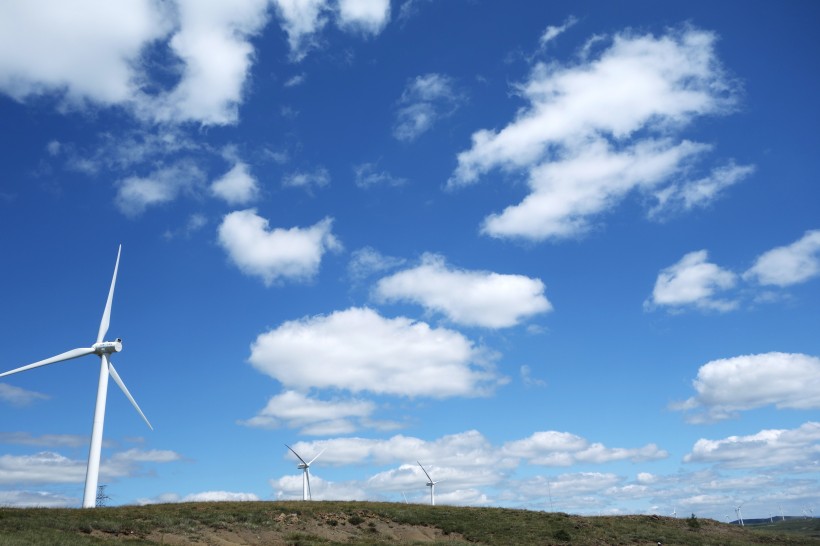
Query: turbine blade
{"x": 106, "y": 318}
{"x": 68, "y": 355}
{"x": 316, "y": 457}
{"x": 297, "y": 455}
{"x": 307, "y": 473}
{"x": 425, "y": 472}
{"x": 119, "y": 382}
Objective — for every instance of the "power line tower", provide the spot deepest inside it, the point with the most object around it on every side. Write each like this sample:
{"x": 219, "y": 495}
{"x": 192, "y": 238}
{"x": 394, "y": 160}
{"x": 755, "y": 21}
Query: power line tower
{"x": 101, "y": 496}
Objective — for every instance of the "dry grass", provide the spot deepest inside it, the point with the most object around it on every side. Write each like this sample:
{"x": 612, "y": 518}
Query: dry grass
{"x": 368, "y": 523}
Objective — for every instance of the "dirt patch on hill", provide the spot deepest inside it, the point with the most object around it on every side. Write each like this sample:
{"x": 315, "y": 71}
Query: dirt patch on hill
{"x": 286, "y": 529}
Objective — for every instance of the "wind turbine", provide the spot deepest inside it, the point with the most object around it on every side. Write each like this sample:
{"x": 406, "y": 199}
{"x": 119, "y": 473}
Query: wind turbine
{"x": 103, "y": 349}
{"x": 739, "y": 515}
{"x": 431, "y": 484}
{"x": 305, "y": 467}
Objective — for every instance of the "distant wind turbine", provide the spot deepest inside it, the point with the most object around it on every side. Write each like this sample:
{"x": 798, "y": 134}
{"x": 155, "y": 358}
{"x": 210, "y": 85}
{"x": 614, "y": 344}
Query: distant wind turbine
{"x": 739, "y": 515}
{"x": 674, "y": 512}
{"x": 103, "y": 349}
{"x": 431, "y": 484}
{"x": 305, "y": 467}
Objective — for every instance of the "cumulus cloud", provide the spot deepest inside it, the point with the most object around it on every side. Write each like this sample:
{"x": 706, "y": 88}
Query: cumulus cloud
{"x": 728, "y": 385}
{"x": 53, "y": 468}
{"x": 204, "y": 496}
{"x": 598, "y": 130}
{"x": 237, "y": 186}
{"x": 553, "y": 448}
{"x": 798, "y": 448}
{"x": 213, "y": 42}
{"x": 19, "y": 397}
{"x": 314, "y": 417}
{"x": 303, "y": 20}
{"x": 473, "y": 298}
{"x": 360, "y": 351}
{"x": 366, "y": 16}
{"x": 790, "y": 264}
{"x": 84, "y": 51}
{"x": 693, "y": 282}
{"x": 425, "y": 100}
{"x": 274, "y": 254}
{"x": 701, "y": 192}
{"x": 135, "y": 194}
{"x": 94, "y": 52}
{"x": 35, "y": 499}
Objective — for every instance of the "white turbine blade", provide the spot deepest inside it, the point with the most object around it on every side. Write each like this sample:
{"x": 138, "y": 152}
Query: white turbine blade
{"x": 316, "y": 457}
{"x": 297, "y": 455}
{"x": 307, "y": 473}
{"x": 425, "y": 473}
{"x": 68, "y": 355}
{"x": 106, "y": 318}
{"x": 119, "y": 382}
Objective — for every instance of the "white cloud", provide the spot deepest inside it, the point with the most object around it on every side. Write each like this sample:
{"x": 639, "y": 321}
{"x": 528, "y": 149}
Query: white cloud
{"x": 35, "y": 499}
{"x": 368, "y": 261}
{"x": 595, "y": 131}
{"x": 317, "y": 417}
{"x": 367, "y": 16}
{"x": 237, "y": 186}
{"x": 552, "y": 31}
{"x": 790, "y": 264}
{"x": 19, "y": 397}
{"x": 360, "y": 351}
{"x": 204, "y": 496}
{"x": 83, "y": 50}
{"x": 53, "y": 468}
{"x": 568, "y": 192}
{"x": 308, "y": 180}
{"x": 474, "y": 298}
{"x": 798, "y": 448}
{"x": 424, "y": 101}
{"x": 702, "y": 192}
{"x": 293, "y": 254}
{"x": 693, "y": 282}
{"x": 213, "y": 41}
{"x": 729, "y": 385}
{"x": 553, "y": 448}
{"x": 302, "y": 19}
{"x": 135, "y": 194}
{"x": 368, "y": 175}
{"x": 93, "y": 51}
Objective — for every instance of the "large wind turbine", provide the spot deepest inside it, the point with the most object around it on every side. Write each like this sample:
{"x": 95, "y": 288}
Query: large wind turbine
{"x": 305, "y": 468}
{"x": 431, "y": 484}
{"x": 103, "y": 349}
{"x": 739, "y": 515}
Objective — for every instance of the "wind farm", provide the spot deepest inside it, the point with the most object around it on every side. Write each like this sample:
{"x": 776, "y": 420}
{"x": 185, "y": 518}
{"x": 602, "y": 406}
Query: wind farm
{"x": 103, "y": 349}
{"x": 567, "y": 255}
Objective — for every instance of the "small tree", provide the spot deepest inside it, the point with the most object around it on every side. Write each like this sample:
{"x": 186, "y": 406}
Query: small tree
{"x": 693, "y": 522}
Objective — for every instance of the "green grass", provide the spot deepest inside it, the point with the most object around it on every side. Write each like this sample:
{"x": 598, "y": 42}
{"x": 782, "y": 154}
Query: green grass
{"x": 324, "y": 523}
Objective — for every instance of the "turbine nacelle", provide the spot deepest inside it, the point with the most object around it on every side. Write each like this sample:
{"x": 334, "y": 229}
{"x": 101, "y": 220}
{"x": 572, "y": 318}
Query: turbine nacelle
{"x": 107, "y": 347}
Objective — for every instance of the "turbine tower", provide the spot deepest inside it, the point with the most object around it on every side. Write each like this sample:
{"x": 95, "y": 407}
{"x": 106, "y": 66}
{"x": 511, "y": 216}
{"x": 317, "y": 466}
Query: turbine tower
{"x": 739, "y": 515}
{"x": 431, "y": 484}
{"x": 305, "y": 468}
{"x": 103, "y": 349}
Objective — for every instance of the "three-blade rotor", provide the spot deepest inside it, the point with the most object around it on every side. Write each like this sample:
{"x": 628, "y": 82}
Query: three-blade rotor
{"x": 305, "y": 467}
{"x": 99, "y": 348}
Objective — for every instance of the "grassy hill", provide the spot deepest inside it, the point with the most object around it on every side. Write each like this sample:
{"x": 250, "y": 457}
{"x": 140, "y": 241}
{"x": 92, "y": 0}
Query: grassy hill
{"x": 371, "y": 523}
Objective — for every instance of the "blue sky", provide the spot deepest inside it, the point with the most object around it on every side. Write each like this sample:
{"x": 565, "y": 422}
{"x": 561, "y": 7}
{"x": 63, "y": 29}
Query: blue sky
{"x": 567, "y": 255}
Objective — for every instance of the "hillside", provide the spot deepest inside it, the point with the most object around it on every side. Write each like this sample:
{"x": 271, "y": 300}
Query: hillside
{"x": 315, "y": 523}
